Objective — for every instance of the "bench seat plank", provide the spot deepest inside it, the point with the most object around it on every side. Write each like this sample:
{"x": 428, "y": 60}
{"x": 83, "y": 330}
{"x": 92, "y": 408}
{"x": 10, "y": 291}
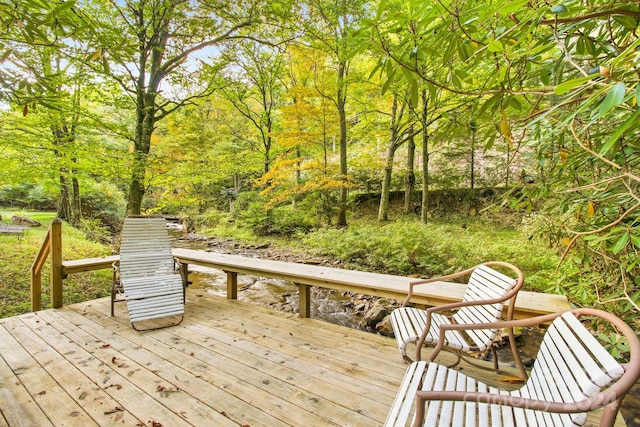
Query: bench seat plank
{"x": 528, "y": 304}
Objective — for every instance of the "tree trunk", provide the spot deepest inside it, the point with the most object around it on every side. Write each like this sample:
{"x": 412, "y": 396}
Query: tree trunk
{"x": 383, "y": 211}
{"x": 142, "y": 144}
{"x": 410, "y": 178}
{"x": 425, "y": 160}
{"x": 76, "y": 219}
{"x": 473, "y": 158}
{"x": 342, "y": 100}
{"x": 64, "y": 209}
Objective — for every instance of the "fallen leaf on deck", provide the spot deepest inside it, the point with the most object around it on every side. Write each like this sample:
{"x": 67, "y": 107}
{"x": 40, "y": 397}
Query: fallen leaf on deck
{"x": 512, "y": 380}
{"x": 164, "y": 391}
{"x": 114, "y": 410}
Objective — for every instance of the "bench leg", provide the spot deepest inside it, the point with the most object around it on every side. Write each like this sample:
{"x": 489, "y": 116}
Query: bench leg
{"x": 305, "y": 300}
{"x": 232, "y": 285}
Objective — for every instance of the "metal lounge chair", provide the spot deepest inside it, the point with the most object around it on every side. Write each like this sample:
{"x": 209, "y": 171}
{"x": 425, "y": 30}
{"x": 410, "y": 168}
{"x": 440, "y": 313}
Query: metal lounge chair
{"x": 487, "y": 292}
{"x": 573, "y": 374}
{"x": 146, "y": 274}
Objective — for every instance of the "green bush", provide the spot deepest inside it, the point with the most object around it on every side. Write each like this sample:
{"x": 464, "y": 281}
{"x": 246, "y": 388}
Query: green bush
{"x": 286, "y": 220}
{"x": 26, "y": 195}
{"x": 103, "y": 201}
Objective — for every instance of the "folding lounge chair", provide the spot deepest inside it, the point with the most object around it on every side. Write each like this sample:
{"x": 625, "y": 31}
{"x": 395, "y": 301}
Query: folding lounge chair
{"x": 487, "y": 292}
{"x": 573, "y": 374}
{"x": 146, "y": 274}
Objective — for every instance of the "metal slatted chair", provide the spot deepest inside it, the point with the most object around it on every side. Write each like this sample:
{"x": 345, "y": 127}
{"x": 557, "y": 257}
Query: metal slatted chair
{"x": 573, "y": 374}
{"x": 487, "y": 292}
{"x": 145, "y": 276}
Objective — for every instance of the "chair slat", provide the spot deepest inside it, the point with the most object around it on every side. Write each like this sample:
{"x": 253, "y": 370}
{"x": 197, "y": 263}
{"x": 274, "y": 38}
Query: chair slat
{"x": 608, "y": 365}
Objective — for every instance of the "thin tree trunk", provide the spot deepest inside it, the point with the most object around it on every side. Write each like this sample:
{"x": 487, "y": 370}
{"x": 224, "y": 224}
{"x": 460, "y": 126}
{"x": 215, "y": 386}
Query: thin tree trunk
{"x": 410, "y": 178}
{"x": 77, "y": 201}
{"x": 383, "y": 210}
{"x": 425, "y": 160}
{"x": 342, "y": 100}
{"x": 473, "y": 158}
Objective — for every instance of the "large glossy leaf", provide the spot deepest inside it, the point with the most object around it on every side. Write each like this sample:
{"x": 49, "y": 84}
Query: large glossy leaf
{"x": 559, "y": 9}
{"x": 621, "y": 243}
{"x": 612, "y": 141}
{"x": 565, "y": 87}
{"x": 614, "y": 97}
{"x": 495, "y": 46}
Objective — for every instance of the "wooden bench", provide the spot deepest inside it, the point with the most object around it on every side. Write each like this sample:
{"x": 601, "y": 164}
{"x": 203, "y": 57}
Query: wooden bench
{"x": 88, "y": 264}
{"x": 13, "y": 229}
{"x": 528, "y": 304}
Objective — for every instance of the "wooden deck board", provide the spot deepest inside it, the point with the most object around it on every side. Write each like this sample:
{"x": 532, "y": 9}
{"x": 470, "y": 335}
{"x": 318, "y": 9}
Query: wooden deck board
{"x": 228, "y": 363}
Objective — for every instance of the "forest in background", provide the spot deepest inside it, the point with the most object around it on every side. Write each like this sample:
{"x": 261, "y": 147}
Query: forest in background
{"x": 278, "y": 115}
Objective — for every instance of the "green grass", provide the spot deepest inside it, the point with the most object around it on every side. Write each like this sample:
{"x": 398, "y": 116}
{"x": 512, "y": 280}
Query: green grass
{"x": 438, "y": 248}
{"x": 18, "y": 253}
{"x": 407, "y": 247}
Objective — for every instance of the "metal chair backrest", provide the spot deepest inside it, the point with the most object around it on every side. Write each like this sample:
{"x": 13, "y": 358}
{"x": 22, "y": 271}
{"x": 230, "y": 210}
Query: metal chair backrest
{"x": 571, "y": 365}
{"x": 485, "y": 283}
{"x": 145, "y": 249}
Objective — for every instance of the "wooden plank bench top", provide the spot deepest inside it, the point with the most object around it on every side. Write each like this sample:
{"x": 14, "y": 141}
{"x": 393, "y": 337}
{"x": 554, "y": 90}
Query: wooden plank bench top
{"x": 13, "y": 229}
{"x": 88, "y": 264}
{"x": 528, "y": 304}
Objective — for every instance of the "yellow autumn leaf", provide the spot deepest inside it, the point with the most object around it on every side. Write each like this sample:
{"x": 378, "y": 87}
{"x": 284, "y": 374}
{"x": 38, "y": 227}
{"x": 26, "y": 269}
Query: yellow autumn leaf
{"x": 505, "y": 128}
{"x": 591, "y": 209}
{"x": 513, "y": 380}
{"x": 563, "y": 157}
{"x": 566, "y": 241}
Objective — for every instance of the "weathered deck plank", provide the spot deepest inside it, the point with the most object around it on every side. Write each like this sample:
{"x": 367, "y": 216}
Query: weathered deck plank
{"x": 16, "y": 403}
{"x": 59, "y": 407}
{"x": 228, "y": 363}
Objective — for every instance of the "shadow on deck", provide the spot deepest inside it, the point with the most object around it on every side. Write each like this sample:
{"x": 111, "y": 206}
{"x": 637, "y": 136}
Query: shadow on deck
{"x": 228, "y": 363}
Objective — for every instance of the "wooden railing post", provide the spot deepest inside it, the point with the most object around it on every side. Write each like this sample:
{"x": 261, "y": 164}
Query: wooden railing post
{"x": 232, "y": 285}
{"x": 56, "y": 263}
{"x": 36, "y": 291}
{"x": 36, "y": 272}
{"x": 304, "y": 309}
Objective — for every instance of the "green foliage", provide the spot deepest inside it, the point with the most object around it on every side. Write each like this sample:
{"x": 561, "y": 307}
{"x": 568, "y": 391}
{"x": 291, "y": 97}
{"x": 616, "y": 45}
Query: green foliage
{"x": 561, "y": 82}
{"x": 26, "y": 195}
{"x": 616, "y": 344}
{"x": 411, "y": 248}
{"x": 284, "y": 220}
{"x": 95, "y": 230}
{"x": 103, "y": 201}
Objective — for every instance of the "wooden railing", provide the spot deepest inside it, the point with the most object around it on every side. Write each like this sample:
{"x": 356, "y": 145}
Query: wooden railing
{"x": 52, "y": 245}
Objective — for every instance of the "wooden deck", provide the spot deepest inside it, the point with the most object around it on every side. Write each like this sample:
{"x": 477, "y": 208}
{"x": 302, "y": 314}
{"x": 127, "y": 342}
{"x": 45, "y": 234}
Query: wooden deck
{"x": 229, "y": 363}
